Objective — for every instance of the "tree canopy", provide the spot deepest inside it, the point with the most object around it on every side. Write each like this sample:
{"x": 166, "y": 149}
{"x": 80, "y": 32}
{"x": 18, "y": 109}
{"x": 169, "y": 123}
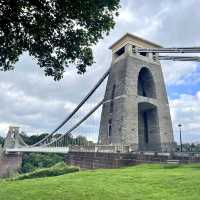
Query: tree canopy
{"x": 57, "y": 33}
{"x": 30, "y": 140}
{"x": 1, "y": 141}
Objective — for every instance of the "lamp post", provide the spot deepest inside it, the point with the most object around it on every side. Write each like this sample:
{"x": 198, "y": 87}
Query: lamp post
{"x": 180, "y": 125}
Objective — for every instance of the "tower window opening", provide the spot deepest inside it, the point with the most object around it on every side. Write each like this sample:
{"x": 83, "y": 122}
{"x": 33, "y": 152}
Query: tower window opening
{"x": 113, "y": 91}
{"x": 112, "y": 98}
{"x": 146, "y": 135}
{"x": 111, "y": 106}
{"x": 146, "y": 85}
{"x": 154, "y": 56}
{"x": 143, "y": 91}
{"x": 120, "y": 51}
{"x": 143, "y": 54}
{"x": 133, "y": 49}
{"x": 109, "y": 128}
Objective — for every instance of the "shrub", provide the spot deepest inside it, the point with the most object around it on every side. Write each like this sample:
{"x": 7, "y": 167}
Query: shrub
{"x": 56, "y": 170}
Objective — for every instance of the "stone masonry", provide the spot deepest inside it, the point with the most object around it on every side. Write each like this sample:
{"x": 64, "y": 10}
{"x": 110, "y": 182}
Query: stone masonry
{"x": 9, "y": 164}
{"x": 136, "y": 110}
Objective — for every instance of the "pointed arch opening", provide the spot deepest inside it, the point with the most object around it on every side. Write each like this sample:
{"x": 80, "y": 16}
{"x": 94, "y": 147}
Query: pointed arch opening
{"x": 146, "y": 85}
{"x": 148, "y": 127}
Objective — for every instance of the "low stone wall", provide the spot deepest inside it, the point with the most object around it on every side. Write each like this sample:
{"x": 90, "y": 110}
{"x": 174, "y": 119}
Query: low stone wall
{"x": 187, "y": 157}
{"x": 9, "y": 164}
{"x": 93, "y": 160}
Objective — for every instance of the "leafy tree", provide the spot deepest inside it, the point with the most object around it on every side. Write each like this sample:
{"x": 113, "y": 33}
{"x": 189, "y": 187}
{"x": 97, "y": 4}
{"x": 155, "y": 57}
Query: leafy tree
{"x": 30, "y": 140}
{"x": 192, "y": 147}
{"x": 1, "y": 141}
{"x": 81, "y": 140}
{"x": 189, "y": 147}
{"x": 32, "y": 161}
{"x": 57, "y": 33}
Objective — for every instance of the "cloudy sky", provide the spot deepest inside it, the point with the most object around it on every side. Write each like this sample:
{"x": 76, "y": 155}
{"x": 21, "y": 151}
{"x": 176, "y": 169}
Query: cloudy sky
{"x": 37, "y": 104}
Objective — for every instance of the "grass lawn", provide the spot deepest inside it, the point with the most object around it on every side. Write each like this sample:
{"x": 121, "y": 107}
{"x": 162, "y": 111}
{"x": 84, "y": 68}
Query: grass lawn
{"x": 141, "y": 182}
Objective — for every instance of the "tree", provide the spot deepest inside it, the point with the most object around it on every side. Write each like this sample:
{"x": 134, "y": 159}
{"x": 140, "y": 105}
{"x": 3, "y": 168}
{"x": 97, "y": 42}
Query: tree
{"x": 57, "y": 33}
{"x": 32, "y": 161}
{"x": 30, "y": 140}
{"x": 1, "y": 141}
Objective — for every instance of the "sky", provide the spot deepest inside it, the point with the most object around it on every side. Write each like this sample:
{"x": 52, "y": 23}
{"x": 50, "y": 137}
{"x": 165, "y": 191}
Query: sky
{"x": 38, "y": 104}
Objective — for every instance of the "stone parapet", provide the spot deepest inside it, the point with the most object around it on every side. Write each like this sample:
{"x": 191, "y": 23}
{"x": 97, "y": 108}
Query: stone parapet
{"x": 94, "y": 160}
{"x": 100, "y": 148}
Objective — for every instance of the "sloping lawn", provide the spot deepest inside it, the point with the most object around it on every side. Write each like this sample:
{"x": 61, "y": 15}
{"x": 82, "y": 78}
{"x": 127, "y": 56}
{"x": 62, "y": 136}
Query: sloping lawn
{"x": 142, "y": 182}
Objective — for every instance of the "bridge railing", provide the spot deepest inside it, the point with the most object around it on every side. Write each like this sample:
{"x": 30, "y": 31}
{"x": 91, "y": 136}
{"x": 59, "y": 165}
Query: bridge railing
{"x": 100, "y": 148}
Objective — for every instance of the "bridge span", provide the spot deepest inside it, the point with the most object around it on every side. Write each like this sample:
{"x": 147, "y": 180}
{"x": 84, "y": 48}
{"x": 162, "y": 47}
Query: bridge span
{"x": 38, "y": 150}
{"x": 71, "y": 148}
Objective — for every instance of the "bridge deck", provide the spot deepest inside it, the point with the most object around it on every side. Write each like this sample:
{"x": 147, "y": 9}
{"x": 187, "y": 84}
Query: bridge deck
{"x": 72, "y": 148}
{"x": 39, "y": 150}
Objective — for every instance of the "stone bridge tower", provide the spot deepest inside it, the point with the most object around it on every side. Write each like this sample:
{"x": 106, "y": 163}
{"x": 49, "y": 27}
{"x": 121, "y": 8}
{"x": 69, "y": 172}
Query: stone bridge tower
{"x": 10, "y": 163}
{"x": 12, "y": 139}
{"x": 136, "y": 110}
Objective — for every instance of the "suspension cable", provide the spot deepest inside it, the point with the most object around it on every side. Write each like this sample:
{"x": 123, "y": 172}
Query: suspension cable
{"x": 77, "y": 124}
{"x": 168, "y": 50}
{"x": 76, "y": 109}
{"x": 21, "y": 140}
{"x": 180, "y": 58}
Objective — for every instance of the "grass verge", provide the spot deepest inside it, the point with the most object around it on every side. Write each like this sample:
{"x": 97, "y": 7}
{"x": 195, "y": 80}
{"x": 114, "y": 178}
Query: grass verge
{"x": 142, "y": 182}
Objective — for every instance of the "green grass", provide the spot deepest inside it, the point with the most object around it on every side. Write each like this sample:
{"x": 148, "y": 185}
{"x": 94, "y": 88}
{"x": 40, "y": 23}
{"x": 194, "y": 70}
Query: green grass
{"x": 142, "y": 182}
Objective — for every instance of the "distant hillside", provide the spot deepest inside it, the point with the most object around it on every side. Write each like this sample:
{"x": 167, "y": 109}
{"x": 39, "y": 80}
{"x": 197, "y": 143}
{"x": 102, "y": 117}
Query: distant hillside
{"x": 142, "y": 182}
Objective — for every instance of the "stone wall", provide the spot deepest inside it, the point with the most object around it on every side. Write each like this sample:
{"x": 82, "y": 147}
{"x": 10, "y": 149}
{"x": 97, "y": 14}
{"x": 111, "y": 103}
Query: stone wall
{"x": 94, "y": 160}
{"x": 9, "y": 164}
{"x": 89, "y": 160}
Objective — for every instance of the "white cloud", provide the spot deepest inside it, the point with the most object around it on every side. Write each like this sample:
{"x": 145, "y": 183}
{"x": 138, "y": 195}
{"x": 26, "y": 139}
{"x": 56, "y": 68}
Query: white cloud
{"x": 3, "y": 128}
{"x": 126, "y": 15}
{"x": 154, "y": 23}
{"x": 185, "y": 110}
{"x": 176, "y": 72}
